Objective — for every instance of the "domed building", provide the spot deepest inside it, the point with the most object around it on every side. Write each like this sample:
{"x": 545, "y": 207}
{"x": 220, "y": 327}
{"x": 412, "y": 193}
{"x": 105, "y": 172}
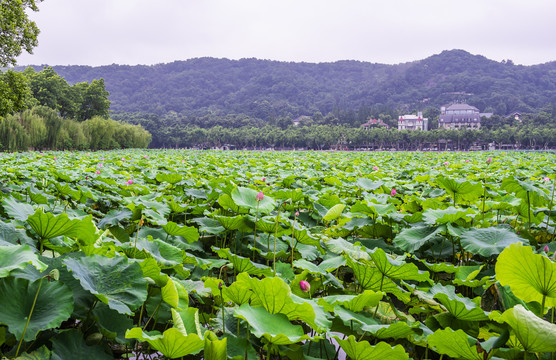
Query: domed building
{"x": 459, "y": 116}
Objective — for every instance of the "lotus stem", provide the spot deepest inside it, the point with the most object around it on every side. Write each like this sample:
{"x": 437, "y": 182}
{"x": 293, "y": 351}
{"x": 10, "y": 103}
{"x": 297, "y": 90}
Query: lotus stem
{"x": 542, "y": 305}
{"x": 274, "y": 251}
{"x": 550, "y": 208}
{"x": 255, "y": 232}
{"x": 529, "y": 210}
{"x": 29, "y": 318}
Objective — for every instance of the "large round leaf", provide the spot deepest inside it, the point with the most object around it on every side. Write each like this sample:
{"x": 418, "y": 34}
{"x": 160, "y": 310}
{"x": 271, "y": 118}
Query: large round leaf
{"x": 362, "y": 350}
{"x": 530, "y": 276}
{"x": 17, "y": 257}
{"x": 114, "y": 281}
{"x": 247, "y": 197}
{"x": 54, "y": 304}
{"x": 489, "y": 241}
{"x": 456, "y": 344}
{"x": 535, "y": 334}
{"x": 173, "y": 343}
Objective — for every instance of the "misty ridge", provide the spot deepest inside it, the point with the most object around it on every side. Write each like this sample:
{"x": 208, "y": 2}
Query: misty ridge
{"x": 209, "y": 91}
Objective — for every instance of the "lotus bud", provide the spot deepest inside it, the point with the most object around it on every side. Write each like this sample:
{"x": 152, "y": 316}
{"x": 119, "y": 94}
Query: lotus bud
{"x": 98, "y": 171}
{"x": 264, "y": 179}
{"x": 546, "y": 179}
{"x": 467, "y": 160}
{"x": 304, "y": 286}
{"x": 446, "y": 163}
{"x": 393, "y": 192}
{"x": 489, "y": 160}
{"x": 260, "y": 196}
{"x": 546, "y": 249}
{"x": 129, "y": 182}
{"x": 375, "y": 168}
{"x": 296, "y": 213}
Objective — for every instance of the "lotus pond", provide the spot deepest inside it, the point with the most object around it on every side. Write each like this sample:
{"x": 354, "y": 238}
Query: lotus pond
{"x": 300, "y": 255}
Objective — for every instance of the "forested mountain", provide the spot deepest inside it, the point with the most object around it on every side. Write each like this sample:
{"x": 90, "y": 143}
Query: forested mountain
{"x": 207, "y": 88}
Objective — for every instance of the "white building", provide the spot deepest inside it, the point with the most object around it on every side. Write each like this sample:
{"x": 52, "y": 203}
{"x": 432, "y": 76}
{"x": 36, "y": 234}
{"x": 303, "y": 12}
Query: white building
{"x": 413, "y": 122}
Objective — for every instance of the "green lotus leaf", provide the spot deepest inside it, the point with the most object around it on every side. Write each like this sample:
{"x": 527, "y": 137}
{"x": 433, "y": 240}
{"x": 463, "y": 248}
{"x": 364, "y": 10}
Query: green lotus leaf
{"x": 352, "y": 251}
{"x": 209, "y": 225}
{"x": 396, "y": 269}
{"x": 240, "y": 290}
{"x": 413, "y": 238}
{"x": 237, "y": 222}
{"x": 113, "y": 281}
{"x": 460, "y": 189}
{"x": 356, "y": 303}
{"x": 189, "y": 233}
{"x": 247, "y": 198}
{"x": 317, "y": 318}
{"x": 370, "y": 278}
{"x": 37, "y": 196}
{"x": 531, "y": 277}
{"x": 165, "y": 254}
{"x": 112, "y": 324}
{"x": 17, "y": 297}
{"x": 534, "y": 333}
{"x": 41, "y": 353}
{"x": 170, "y": 178}
{"x": 48, "y": 225}
{"x": 303, "y": 236}
{"x": 461, "y": 307}
{"x": 275, "y": 328}
{"x": 17, "y": 210}
{"x": 172, "y": 343}
{"x": 309, "y": 266}
{"x": 449, "y": 215}
{"x": 18, "y": 257}
{"x": 174, "y": 294}
{"x": 332, "y": 263}
{"x": 362, "y": 350}
{"x": 243, "y": 264}
{"x": 525, "y": 190}
{"x": 215, "y": 349}
{"x": 114, "y": 217}
{"x": 334, "y": 212}
{"x": 70, "y": 344}
{"x": 381, "y": 209}
{"x": 151, "y": 269}
{"x": 369, "y": 184}
{"x": 456, "y": 344}
{"x": 489, "y": 241}
{"x": 9, "y": 235}
{"x": 227, "y": 203}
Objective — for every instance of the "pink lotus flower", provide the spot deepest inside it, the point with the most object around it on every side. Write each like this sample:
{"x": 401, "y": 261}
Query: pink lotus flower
{"x": 146, "y": 157}
{"x": 446, "y": 163}
{"x": 304, "y": 286}
{"x": 55, "y": 157}
{"x": 100, "y": 165}
{"x": 393, "y": 192}
{"x": 296, "y": 213}
{"x": 546, "y": 249}
{"x": 129, "y": 182}
{"x": 264, "y": 179}
{"x": 489, "y": 160}
{"x": 375, "y": 167}
{"x": 123, "y": 159}
{"x": 467, "y": 161}
{"x": 546, "y": 179}
{"x": 260, "y": 196}
{"x": 98, "y": 171}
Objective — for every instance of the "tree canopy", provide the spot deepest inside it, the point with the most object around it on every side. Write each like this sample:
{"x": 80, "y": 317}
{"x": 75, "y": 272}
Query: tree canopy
{"x": 17, "y": 32}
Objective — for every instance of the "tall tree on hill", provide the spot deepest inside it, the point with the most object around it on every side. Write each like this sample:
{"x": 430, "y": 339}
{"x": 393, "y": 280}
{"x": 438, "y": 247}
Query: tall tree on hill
{"x": 17, "y": 32}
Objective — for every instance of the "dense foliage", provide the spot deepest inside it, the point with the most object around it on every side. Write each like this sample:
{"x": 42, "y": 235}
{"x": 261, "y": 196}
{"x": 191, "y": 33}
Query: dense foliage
{"x": 271, "y": 255}
{"x": 533, "y": 131}
{"x": 268, "y": 90}
{"x": 17, "y": 31}
{"x": 40, "y": 110}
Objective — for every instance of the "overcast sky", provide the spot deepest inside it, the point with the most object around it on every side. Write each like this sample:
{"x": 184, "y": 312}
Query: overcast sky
{"x": 100, "y": 32}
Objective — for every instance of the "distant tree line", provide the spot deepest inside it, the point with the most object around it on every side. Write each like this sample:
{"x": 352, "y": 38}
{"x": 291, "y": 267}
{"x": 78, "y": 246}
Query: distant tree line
{"x": 532, "y": 131}
{"x": 40, "y": 110}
